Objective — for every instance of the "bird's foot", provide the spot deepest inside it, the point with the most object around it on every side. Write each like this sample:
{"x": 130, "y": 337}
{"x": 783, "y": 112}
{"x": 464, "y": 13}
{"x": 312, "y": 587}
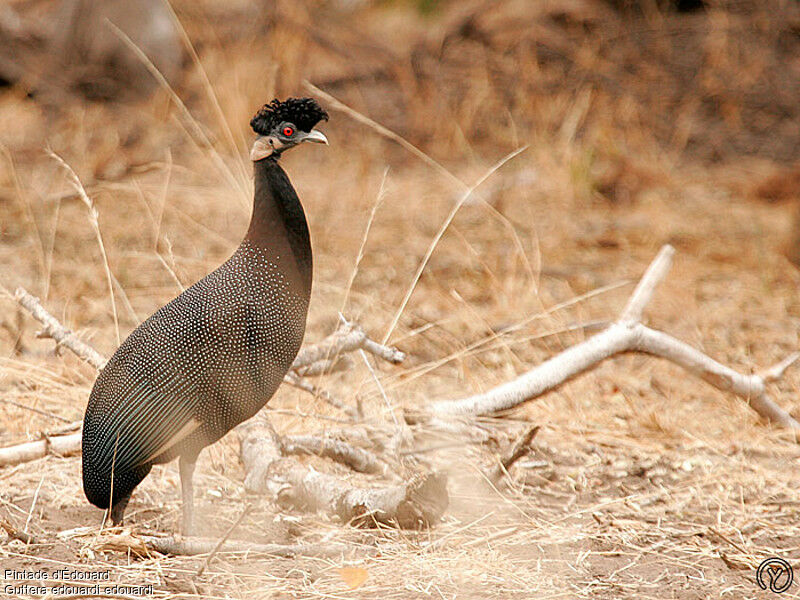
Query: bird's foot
{"x": 187, "y": 523}
{"x": 117, "y": 512}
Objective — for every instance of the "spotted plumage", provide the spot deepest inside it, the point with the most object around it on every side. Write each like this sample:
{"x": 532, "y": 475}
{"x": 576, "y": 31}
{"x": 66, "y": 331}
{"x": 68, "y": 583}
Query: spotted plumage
{"x": 212, "y": 357}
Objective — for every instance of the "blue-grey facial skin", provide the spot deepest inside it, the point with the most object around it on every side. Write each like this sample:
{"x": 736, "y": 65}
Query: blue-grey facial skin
{"x": 278, "y": 141}
{"x": 297, "y": 136}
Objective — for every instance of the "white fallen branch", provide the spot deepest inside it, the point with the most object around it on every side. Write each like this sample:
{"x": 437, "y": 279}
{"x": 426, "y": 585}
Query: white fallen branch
{"x": 53, "y": 329}
{"x": 358, "y": 459}
{"x": 349, "y": 337}
{"x": 144, "y": 545}
{"x": 417, "y": 503}
{"x": 266, "y": 445}
{"x": 59, "y": 445}
{"x": 628, "y": 334}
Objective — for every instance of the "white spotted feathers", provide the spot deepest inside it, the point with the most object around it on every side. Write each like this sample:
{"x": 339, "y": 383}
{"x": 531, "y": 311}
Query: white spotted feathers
{"x": 209, "y": 359}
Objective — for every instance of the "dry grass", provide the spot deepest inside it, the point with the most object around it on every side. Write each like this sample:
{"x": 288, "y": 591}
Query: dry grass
{"x": 644, "y": 484}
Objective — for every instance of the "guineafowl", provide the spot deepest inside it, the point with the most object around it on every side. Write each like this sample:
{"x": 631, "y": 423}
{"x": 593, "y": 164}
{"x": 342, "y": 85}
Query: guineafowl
{"x": 214, "y": 355}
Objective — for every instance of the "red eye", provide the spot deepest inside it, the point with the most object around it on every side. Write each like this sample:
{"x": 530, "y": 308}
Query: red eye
{"x": 288, "y": 131}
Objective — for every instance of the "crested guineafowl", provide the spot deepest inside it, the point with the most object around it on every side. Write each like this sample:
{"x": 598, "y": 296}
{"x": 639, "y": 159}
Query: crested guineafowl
{"x": 214, "y": 355}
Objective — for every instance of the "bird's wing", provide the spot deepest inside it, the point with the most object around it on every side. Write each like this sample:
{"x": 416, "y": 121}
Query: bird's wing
{"x": 153, "y": 419}
{"x": 156, "y": 392}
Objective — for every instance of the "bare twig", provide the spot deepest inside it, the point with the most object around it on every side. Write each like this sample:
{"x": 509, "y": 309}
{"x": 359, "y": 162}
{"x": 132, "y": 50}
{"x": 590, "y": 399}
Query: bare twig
{"x": 326, "y": 367}
{"x": 324, "y": 357}
{"x": 349, "y": 337}
{"x": 643, "y": 293}
{"x": 260, "y": 439}
{"x": 13, "y": 532}
{"x": 751, "y": 388}
{"x": 775, "y": 372}
{"x": 521, "y": 448}
{"x": 357, "y": 459}
{"x": 55, "y": 330}
{"x": 223, "y": 539}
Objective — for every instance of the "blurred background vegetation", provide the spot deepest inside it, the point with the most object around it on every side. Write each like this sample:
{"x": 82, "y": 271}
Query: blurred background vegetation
{"x": 707, "y": 80}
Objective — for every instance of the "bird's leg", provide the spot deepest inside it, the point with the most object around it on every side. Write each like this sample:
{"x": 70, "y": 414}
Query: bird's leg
{"x": 187, "y": 471}
{"x": 118, "y": 510}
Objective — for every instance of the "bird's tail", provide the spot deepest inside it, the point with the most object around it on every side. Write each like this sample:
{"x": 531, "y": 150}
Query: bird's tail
{"x": 98, "y": 488}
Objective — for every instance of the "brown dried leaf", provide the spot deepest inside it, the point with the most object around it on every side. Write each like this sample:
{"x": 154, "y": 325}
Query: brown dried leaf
{"x": 353, "y": 576}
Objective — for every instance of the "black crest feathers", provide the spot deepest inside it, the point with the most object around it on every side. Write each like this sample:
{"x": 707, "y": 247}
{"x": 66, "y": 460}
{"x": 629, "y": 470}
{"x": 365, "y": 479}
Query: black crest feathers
{"x": 304, "y": 113}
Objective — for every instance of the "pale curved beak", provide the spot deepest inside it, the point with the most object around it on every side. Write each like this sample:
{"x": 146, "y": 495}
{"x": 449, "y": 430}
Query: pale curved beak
{"x": 315, "y": 136}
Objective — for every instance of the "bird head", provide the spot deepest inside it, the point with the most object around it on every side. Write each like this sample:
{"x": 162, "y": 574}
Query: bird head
{"x": 284, "y": 125}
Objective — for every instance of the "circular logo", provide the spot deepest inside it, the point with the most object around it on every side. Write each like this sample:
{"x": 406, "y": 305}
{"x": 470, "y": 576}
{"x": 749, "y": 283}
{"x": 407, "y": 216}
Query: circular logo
{"x": 776, "y": 574}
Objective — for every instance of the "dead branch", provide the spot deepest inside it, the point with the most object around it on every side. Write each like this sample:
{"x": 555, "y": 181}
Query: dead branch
{"x": 194, "y": 546}
{"x": 358, "y": 459}
{"x": 264, "y": 443}
{"x": 61, "y": 445}
{"x": 326, "y": 367}
{"x": 349, "y": 337}
{"x": 145, "y": 545}
{"x": 415, "y": 504}
{"x": 259, "y": 447}
{"x": 628, "y": 334}
{"x": 53, "y": 329}
{"x": 522, "y": 447}
{"x": 54, "y": 443}
{"x": 14, "y": 533}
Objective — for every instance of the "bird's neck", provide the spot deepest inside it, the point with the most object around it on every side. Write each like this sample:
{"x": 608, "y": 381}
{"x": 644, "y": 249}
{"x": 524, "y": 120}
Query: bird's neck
{"x": 278, "y": 227}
